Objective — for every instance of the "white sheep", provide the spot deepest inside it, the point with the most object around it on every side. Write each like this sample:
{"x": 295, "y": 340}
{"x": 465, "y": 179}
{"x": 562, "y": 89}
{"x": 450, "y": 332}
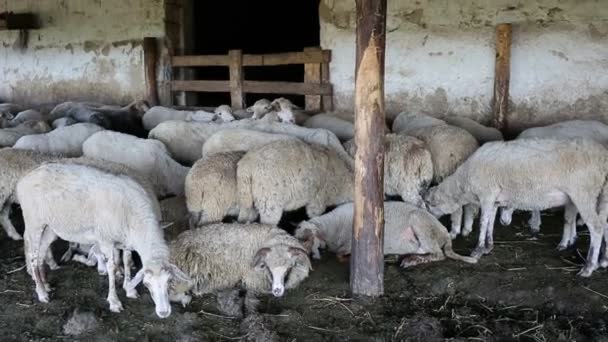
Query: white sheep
{"x": 405, "y": 122}
{"x": 10, "y": 136}
{"x": 530, "y": 174}
{"x": 482, "y": 133}
{"x": 155, "y": 115}
{"x": 450, "y": 146}
{"x": 258, "y": 258}
{"x": 27, "y": 115}
{"x": 408, "y": 167}
{"x": 282, "y": 104}
{"x": 343, "y": 129}
{"x": 260, "y": 108}
{"x": 66, "y": 140}
{"x": 146, "y": 156}
{"x": 287, "y": 175}
{"x": 239, "y": 140}
{"x": 408, "y": 230}
{"x": 86, "y": 205}
{"x": 211, "y": 191}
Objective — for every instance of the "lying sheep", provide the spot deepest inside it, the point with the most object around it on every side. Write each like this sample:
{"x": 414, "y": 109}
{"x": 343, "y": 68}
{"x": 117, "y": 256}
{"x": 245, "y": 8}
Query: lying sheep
{"x": 449, "y": 146}
{"x": 530, "y": 174}
{"x": 282, "y": 104}
{"x": 239, "y": 140}
{"x": 260, "y": 108}
{"x": 26, "y": 115}
{"x": 405, "y": 122}
{"x": 104, "y": 209}
{"x": 61, "y": 122}
{"x": 482, "y": 133}
{"x": 158, "y": 114}
{"x": 343, "y": 129}
{"x": 66, "y": 140}
{"x": 81, "y": 112}
{"x": 408, "y": 167}
{"x": 221, "y": 257}
{"x": 287, "y": 175}
{"x": 146, "y": 156}
{"x": 408, "y": 230}
{"x": 9, "y": 110}
{"x": 284, "y": 116}
{"x": 211, "y": 191}
{"x": 10, "y": 136}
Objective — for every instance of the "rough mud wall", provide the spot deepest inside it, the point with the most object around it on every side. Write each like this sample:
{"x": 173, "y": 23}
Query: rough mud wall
{"x": 440, "y": 57}
{"x": 86, "y": 50}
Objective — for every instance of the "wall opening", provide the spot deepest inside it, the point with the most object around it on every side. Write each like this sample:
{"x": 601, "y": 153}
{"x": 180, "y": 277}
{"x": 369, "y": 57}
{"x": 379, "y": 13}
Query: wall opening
{"x": 256, "y": 27}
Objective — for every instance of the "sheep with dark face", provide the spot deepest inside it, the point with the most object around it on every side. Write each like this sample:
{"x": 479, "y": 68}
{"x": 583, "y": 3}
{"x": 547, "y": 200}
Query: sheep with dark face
{"x": 261, "y": 259}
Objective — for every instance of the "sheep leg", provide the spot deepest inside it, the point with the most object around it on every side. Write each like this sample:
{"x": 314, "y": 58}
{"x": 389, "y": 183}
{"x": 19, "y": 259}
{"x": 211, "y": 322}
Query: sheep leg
{"x": 534, "y": 222}
{"x": 569, "y": 233}
{"x": 127, "y": 259}
{"x": 50, "y": 260}
{"x": 417, "y": 259}
{"x": 107, "y": 252}
{"x": 67, "y": 256}
{"x": 470, "y": 211}
{"x": 506, "y": 215}
{"x": 456, "y": 219}
{"x": 84, "y": 260}
{"x": 6, "y": 223}
{"x": 271, "y": 216}
{"x": 596, "y": 230}
{"x": 488, "y": 215}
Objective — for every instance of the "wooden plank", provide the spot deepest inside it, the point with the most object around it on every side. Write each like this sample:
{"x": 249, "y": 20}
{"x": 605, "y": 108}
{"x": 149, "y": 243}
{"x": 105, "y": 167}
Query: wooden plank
{"x": 201, "y": 86}
{"x": 237, "y": 97}
{"x": 502, "y": 76}
{"x": 193, "y": 61}
{"x": 312, "y": 75}
{"x": 317, "y": 56}
{"x": 367, "y": 253}
{"x": 327, "y": 103}
{"x": 150, "y": 62}
{"x": 264, "y": 87}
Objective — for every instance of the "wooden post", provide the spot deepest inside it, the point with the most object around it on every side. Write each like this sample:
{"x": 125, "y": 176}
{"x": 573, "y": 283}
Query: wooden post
{"x": 236, "y": 79}
{"x": 312, "y": 74}
{"x": 367, "y": 255}
{"x": 150, "y": 62}
{"x": 502, "y": 76}
{"x": 327, "y": 103}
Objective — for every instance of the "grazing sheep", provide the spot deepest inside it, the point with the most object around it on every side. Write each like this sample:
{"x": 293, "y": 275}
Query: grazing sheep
{"x": 211, "y": 191}
{"x": 530, "y": 174}
{"x": 260, "y": 259}
{"x": 482, "y": 133}
{"x": 408, "y": 167}
{"x": 408, "y": 230}
{"x": 158, "y": 114}
{"x": 65, "y": 121}
{"x": 10, "y": 136}
{"x": 405, "y": 122}
{"x": 343, "y": 129}
{"x": 449, "y": 146}
{"x": 239, "y": 140}
{"x": 66, "y": 140}
{"x": 146, "y": 156}
{"x": 86, "y": 205}
{"x": 27, "y": 115}
{"x": 287, "y": 175}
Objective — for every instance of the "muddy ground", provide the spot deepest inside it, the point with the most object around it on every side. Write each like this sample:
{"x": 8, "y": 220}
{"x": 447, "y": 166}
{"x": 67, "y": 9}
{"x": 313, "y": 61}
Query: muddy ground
{"x": 523, "y": 291}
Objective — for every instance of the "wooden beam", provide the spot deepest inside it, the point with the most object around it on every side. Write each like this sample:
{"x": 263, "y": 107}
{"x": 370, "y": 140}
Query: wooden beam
{"x": 327, "y": 103}
{"x": 264, "y": 87}
{"x": 317, "y": 56}
{"x": 367, "y": 254}
{"x": 201, "y": 86}
{"x": 237, "y": 97}
{"x": 502, "y": 76}
{"x": 312, "y": 75}
{"x": 150, "y": 62}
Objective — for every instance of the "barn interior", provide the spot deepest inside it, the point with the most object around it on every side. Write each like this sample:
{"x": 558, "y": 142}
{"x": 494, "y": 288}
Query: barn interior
{"x": 355, "y": 71}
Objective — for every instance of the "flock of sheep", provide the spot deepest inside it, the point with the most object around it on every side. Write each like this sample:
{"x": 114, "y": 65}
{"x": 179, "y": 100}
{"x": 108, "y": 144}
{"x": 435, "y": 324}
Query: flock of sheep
{"x": 95, "y": 175}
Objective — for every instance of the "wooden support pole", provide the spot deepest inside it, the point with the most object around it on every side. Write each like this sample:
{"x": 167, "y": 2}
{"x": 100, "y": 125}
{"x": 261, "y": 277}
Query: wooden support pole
{"x": 367, "y": 254}
{"x": 327, "y": 103}
{"x": 502, "y": 76}
{"x": 150, "y": 62}
{"x": 312, "y": 75}
{"x": 236, "y": 79}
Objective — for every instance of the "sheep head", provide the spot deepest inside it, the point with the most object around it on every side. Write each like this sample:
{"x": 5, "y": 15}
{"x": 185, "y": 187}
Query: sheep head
{"x": 440, "y": 202}
{"x": 312, "y": 239}
{"x": 259, "y": 108}
{"x": 224, "y": 112}
{"x": 285, "y": 266}
{"x": 282, "y": 103}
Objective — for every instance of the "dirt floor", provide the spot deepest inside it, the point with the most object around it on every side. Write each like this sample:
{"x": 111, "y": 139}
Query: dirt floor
{"x": 523, "y": 291}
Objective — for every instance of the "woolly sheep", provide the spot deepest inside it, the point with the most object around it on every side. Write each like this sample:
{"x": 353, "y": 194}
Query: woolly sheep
{"x": 66, "y": 140}
{"x": 408, "y": 167}
{"x": 158, "y": 114}
{"x": 405, "y": 122}
{"x": 260, "y": 108}
{"x": 146, "y": 156}
{"x": 284, "y": 116}
{"x": 211, "y": 191}
{"x": 408, "y": 230}
{"x": 26, "y": 115}
{"x": 239, "y": 140}
{"x": 343, "y": 129}
{"x": 530, "y": 174}
{"x": 10, "y": 136}
{"x": 482, "y": 133}
{"x": 287, "y": 175}
{"x": 258, "y": 258}
{"x": 86, "y": 205}
{"x": 282, "y": 104}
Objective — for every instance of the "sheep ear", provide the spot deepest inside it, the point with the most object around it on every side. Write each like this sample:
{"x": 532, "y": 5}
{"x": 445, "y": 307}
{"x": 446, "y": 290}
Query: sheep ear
{"x": 136, "y": 280}
{"x": 260, "y": 258}
{"x": 179, "y": 274}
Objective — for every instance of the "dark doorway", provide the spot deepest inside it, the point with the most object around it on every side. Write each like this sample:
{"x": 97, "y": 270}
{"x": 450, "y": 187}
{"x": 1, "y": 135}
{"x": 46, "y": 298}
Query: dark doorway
{"x": 254, "y": 26}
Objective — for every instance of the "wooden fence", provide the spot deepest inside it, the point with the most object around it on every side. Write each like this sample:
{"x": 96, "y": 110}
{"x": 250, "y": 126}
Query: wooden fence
{"x": 316, "y": 86}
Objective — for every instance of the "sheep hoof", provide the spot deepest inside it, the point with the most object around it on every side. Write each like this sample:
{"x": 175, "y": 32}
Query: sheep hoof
{"x": 561, "y": 247}
{"x": 132, "y": 293}
{"x": 453, "y": 235}
{"x": 43, "y": 296}
{"x": 466, "y": 232}
{"x": 586, "y": 271}
{"x": 15, "y": 236}
{"x": 186, "y": 300}
{"x": 478, "y": 252}
{"x": 115, "y": 305}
